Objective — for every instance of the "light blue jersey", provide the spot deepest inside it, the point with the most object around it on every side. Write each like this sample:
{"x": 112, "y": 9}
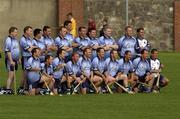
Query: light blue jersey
{"x": 33, "y": 76}
{"x": 142, "y": 67}
{"x": 103, "y": 41}
{"x": 99, "y": 64}
{"x": 40, "y": 44}
{"x": 73, "y": 68}
{"x": 12, "y": 45}
{"x": 25, "y": 44}
{"x": 112, "y": 67}
{"x": 82, "y": 42}
{"x": 126, "y": 67}
{"x": 127, "y": 43}
{"x": 58, "y": 73}
{"x": 86, "y": 66}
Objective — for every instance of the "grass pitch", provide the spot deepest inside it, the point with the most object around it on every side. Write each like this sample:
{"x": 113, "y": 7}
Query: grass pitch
{"x": 165, "y": 105}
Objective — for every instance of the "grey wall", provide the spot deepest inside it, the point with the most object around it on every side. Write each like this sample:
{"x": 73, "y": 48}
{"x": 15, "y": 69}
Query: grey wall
{"x": 156, "y": 16}
{"x": 20, "y": 13}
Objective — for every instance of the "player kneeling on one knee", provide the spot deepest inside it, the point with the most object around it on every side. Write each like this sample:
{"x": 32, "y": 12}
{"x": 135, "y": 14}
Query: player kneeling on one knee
{"x": 142, "y": 71}
{"x": 47, "y": 73}
{"x": 74, "y": 72}
{"x": 33, "y": 72}
{"x": 99, "y": 68}
{"x": 59, "y": 70}
{"x": 86, "y": 69}
{"x": 112, "y": 69}
{"x": 126, "y": 74}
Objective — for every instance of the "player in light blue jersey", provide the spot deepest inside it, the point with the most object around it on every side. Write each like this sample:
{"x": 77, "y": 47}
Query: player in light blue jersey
{"x": 38, "y": 41}
{"x": 112, "y": 68}
{"x": 107, "y": 42}
{"x": 62, "y": 43}
{"x": 74, "y": 71}
{"x": 82, "y": 41}
{"x": 26, "y": 44}
{"x": 127, "y": 42}
{"x": 142, "y": 70}
{"x": 49, "y": 41}
{"x": 12, "y": 55}
{"x": 126, "y": 74}
{"x": 95, "y": 44}
{"x": 59, "y": 73}
{"x": 33, "y": 68}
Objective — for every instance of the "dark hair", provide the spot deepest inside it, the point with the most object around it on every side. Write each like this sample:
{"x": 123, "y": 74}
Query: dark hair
{"x": 139, "y": 29}
{"x": 12, "y": 29}
{"x": 70, "y": 14}
{"x": 37, "y": 31}
{"x": 154, "y": 50}
{"x": 112, "y": 51}
{"x": 61, "y": 27}
{"x": 143, "y": 50}
{"x": 81, "y": 27}
{"x": 67, "y": 22}
{"x": 34, "y": 50}
{"x": 126, "y": 28}
{"x": 127, "y": 51}
{"x": 59, "y": 51}
{"x": 91, "y": 29}
{"x": 85, "y": 49}
{"x": 48, "y": 57}
{"x": 26, "y": 28}
{"x": 99, "y": 49}
{"x": 105, "y": 27}
{"x": 46, "y": 27}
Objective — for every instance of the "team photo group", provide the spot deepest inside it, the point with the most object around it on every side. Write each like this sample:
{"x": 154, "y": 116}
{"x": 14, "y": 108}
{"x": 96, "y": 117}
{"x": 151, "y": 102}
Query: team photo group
{"x": 81, "y": 64}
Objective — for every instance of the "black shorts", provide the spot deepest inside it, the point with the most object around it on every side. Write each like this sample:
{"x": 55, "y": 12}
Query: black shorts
{"x": 161, "y": 78}
{"x": 24, "y": 61}
{"x": 36, "y": 84}
{"x": 10, "y": 67}
{"x": 57, "y": 83}
{"x": 142, "y": 78}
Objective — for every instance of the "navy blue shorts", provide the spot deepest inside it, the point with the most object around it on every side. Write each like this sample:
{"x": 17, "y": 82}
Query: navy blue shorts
{"x": 9, "y": 66}
{"x": 24, "y": 62}
{"x": 142, "y": 78}
{"x": 57, "y": 83}
{"x": 35, "y": 85}
{"x": 160, "y": 79}
{"x": 86, "y": 84}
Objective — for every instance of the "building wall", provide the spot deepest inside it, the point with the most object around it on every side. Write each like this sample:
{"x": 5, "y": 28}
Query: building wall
{"x": 20, "y": 13}
{"x": 73, "y": 6}
{"x": 177, "y": 25}
{"x": 156, "y": 16}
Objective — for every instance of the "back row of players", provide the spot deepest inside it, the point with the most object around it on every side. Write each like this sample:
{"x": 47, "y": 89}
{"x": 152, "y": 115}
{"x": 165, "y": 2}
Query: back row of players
{"x": 86, "y": 62}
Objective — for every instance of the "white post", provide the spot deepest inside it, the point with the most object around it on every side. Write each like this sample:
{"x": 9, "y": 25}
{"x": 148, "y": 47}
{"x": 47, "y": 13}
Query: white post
{"x": 126, "y": 12}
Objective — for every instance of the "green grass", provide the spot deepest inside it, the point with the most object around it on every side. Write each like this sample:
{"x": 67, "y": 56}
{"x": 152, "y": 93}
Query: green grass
{"x": 165, "y": 105}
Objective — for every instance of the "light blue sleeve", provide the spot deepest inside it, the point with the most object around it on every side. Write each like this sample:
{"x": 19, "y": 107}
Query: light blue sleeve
{"x": 95, "y": 64}
{"x": 7, "y": 45}
{"x": 58, "y": 42}
{"x": 23, "y": 43}
{"x": 120, "y": 41}
{"x": 55, "y": 63}
{"x": 101, "y": 40}
{"x": 69, "y": 68}
{"x": 120, "y": 65}
{"x": 29, "y": 63}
